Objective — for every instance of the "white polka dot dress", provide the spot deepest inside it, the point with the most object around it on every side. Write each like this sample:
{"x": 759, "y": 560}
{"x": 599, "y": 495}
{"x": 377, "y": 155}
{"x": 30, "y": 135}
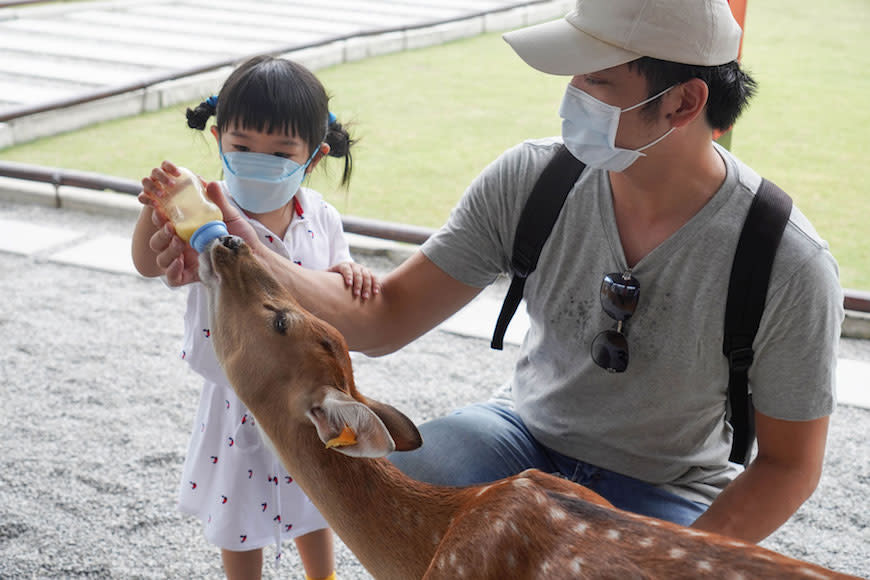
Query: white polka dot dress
{"x": 231, "y": 480}
{"x": 235, "y": 484}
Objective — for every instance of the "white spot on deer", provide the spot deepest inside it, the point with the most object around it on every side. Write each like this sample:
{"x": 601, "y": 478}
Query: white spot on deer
{"x": 540, "y": 498}
{"x": 557, "y": 514}
{"x": 527, "y": 540}
{"x": 511, "y": 560}
{"x": 735, "y": 544}
{"x": 581, "y": 527}
{"x": 441, "y": 561}
{"x": 677, "y": 553}
{"x": 705, "y": 566}
{"x": 513, "y": 527}
{"x": 498, "y": 526}
{"x": 436, "y": 538}
{"x": 809, "y": 572}
{"x": 546, "y": 568}
{"x": 483, "y": 490}
{"x": 613, "y": 535}
{"x": 520, "y": 482}
{"x": 694, "y": 533}
{"x": 576, "y": 566}
{"x": 646, "y": 542}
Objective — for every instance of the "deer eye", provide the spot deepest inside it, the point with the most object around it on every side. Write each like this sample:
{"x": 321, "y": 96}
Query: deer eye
{"x": 279, "y": 320}
{"x": 280, "y": 323}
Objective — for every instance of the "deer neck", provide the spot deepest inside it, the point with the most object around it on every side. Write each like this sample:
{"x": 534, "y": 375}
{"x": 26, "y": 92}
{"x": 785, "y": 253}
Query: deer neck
{"x": 392, "y": 523}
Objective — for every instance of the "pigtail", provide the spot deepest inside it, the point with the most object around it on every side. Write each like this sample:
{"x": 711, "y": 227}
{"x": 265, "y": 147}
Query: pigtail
{"x": 340, "y": 142}
{"x": 198, "y": 117}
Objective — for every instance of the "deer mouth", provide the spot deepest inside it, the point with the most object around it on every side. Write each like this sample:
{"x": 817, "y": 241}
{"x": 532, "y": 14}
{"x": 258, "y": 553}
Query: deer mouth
{"x": 217, "y": 252}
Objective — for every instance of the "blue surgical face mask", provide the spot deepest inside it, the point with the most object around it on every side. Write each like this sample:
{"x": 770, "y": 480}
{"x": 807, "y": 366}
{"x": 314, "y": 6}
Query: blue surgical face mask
{"x": 589, "y": 130}
{"x": 260, "y": 182}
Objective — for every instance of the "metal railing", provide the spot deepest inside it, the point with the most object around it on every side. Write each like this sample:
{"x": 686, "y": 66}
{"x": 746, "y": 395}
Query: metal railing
{"x": 856, "y": 300}
{"x": 87, "y": 180}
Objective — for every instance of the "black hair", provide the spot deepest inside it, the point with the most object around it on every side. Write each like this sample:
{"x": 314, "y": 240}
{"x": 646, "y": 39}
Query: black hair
{"x": 269, "y": 94}
{"x": 730, "y": 88}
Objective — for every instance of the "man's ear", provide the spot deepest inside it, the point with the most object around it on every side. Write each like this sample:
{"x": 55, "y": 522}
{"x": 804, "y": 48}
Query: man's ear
{"x": 688, "y": 102}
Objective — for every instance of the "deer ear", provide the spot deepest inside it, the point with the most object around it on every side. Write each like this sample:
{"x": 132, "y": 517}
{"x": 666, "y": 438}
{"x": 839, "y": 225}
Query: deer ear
{"x": 401, "y": 428}
{"x": 350, "y": 427}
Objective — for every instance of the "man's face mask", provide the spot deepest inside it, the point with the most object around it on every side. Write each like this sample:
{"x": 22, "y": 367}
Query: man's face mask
{"x": 260, "y": 182}
{"x": 589, "y": 130}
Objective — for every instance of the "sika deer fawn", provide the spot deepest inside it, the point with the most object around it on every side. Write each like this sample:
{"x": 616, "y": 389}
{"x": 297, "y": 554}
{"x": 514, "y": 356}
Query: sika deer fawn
{"x": 293, "y": 372}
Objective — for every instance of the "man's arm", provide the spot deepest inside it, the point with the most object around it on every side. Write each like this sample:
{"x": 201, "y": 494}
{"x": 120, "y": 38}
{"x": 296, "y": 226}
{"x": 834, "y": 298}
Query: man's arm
{"x": 414, "y": 298}
{"x": 783, "y": 475}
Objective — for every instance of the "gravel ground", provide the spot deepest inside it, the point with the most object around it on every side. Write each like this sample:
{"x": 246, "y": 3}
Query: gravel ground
{"x": 96, "y": 410}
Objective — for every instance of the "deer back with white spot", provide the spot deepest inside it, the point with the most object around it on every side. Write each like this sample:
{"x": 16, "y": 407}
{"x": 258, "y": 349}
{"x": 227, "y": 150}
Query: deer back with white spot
{"x": 518, "y": 528}
{"x": 666, "y": 550}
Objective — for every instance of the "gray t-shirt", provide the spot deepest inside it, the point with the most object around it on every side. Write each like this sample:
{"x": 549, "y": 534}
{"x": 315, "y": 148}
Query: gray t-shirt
{"x": 663, "y": 420}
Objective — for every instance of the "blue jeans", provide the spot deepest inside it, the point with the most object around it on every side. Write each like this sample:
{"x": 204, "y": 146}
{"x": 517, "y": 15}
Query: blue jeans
{"x": 487, "y": 441}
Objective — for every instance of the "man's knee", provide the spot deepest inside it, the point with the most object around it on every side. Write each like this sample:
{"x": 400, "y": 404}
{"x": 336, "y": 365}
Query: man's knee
{"x": 473, "y": 445}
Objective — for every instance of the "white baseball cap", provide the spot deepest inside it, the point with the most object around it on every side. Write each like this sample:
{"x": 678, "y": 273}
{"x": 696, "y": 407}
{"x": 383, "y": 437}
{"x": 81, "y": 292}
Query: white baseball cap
{"x": 600, "y": 34}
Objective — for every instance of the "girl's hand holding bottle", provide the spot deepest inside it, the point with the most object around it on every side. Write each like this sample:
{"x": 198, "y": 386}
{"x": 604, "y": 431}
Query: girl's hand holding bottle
{"x": 172, "y": 252}
{"x": 180, "y": 260}
{"x": 174, "y": 243}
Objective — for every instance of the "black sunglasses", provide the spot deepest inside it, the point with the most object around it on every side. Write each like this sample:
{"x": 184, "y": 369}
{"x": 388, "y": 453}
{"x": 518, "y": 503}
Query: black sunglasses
{"x": 619, "y": 296}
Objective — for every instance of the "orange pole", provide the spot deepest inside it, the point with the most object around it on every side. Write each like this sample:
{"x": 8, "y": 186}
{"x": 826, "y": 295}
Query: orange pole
{"x": 738, "y": 9}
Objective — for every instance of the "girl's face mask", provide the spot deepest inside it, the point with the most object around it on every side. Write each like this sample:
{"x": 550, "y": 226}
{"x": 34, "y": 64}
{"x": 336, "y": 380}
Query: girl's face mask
{"x": 589, "y": 130}
{"x": 260, "y": 182}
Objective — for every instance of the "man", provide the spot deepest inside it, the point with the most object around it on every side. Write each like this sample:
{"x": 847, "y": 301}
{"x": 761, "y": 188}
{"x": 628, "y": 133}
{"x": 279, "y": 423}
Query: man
{"x": 650, "y": 228}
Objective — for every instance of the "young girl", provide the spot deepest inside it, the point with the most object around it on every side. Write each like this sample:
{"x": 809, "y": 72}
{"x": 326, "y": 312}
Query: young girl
{"x": 272, "y": 127}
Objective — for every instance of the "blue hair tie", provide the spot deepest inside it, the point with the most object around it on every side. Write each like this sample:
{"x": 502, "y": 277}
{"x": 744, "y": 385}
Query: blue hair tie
{"x": 331, "y": 117}
{"x": 212, "y": 101}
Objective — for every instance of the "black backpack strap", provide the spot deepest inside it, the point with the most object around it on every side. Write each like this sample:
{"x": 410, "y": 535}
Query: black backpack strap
{"x": 747, "y": 290}
{"x": 536, "y": 222}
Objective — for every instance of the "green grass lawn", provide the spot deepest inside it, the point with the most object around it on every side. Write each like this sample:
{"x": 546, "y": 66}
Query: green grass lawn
{"x": 429, "y": 120}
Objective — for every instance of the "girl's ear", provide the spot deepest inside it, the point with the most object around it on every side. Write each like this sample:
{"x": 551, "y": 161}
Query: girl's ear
{"x": 217, "y": 135}
{"x": 321, "y": 153}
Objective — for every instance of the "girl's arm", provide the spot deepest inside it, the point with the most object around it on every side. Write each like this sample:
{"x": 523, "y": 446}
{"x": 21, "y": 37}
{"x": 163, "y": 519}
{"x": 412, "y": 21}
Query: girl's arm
{"x": 144, "y": 258}
{"x": 358, "y": 278}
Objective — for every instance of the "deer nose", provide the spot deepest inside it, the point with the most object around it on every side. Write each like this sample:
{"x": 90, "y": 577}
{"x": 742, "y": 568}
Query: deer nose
{"x": 232, "y": 242}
